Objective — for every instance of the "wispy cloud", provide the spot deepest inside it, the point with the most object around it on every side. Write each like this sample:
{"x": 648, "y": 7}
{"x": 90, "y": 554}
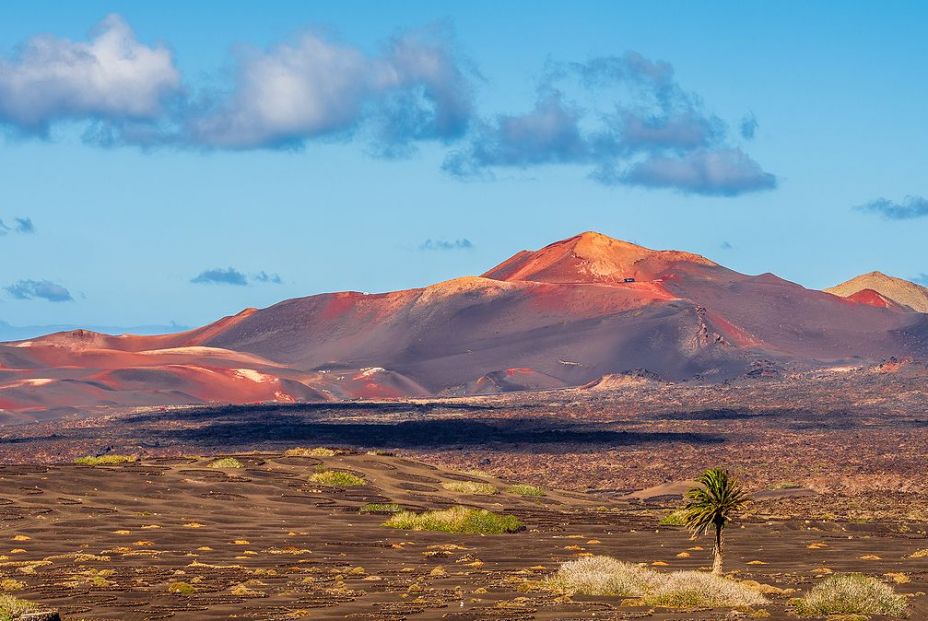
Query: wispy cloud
{"x": 111, "y": 76}
{"x": 39, "y": 289}
{"x": 748, "y": 126}
{"x": 232, "y": 276}
{"x": 262, "y": 276}
{"x": 443, "y": 244}
{"x": 910, "y": 207}
{"x": 24, "y": 225}
{"x": 220, "y": 276}
{"x": 20, "y": 225}
{"x": 628, "y": 119}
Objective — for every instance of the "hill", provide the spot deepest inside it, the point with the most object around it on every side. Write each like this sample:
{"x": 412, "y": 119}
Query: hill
{"x": 900, "y": 291}
{"x": 565, "y": 315}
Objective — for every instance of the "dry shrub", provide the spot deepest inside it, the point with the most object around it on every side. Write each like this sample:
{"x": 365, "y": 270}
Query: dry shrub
{"x": 227, "y": 463}
{"x": 522, "y": 489}
{"x": 694, "y": 589}
{"x": 851, "y": 594}
{"x": 336, "y": 478}
{"x": 381, "y": 507}
{"x": 457, "y": 520}
{"x": 318, "y": 451}
{"x": 474, "y": 488}
{"x": 604, "y": 575}
{"x": 105, "y": 460}
{"x": 181, "y": 588}
{"x": 674, "y": 518}
{"x": 12, "y": 607}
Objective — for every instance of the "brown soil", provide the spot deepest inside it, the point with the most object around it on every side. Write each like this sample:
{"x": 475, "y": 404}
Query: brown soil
{"x": 264, "y": 543}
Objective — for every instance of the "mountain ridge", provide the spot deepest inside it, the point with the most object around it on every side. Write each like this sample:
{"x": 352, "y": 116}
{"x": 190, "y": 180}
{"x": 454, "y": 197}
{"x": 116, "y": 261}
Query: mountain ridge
{"x": 565, "y": 315}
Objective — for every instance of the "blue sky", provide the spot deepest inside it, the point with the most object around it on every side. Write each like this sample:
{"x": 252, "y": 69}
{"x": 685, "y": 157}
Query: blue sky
{"x": 180, "y": 161}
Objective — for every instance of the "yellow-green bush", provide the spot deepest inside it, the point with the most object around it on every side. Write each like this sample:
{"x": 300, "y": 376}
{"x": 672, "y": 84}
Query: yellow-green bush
{"x": 227, "y": 463}
{"x": 674, "y": 518}
{"x": 522, "y": 489}
{"x": 318, "y": 451}
{"x": 473, "y": 488}
{"x": 181, "y": 588}
{"x": 377, "y": 507}
{"x": 105, "y": 460}
{"x": 457, "y": 520}
{"x": 11, "y": 607}
{"x": 337, "y": 478}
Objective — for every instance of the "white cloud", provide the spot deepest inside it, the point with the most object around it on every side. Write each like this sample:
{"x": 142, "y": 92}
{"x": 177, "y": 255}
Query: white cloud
{"x": 112, "y": 76}
{"x": 315, "y": 87}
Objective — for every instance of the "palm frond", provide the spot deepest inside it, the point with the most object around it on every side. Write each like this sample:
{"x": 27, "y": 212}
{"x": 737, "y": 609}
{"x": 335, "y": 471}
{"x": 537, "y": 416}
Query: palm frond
{"x": 714, "y": 503}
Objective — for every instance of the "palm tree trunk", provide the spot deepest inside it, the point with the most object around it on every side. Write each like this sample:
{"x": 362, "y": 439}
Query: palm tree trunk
{"x": 717, "y": 552}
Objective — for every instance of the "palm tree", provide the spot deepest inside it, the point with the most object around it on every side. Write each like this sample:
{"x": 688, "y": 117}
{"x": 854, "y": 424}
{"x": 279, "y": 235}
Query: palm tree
{"x": 713, "y": 504}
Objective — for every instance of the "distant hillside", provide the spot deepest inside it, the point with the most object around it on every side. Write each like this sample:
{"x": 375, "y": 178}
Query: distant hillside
{"x": 10, "y": 332}
{"x": 900, "y": 291}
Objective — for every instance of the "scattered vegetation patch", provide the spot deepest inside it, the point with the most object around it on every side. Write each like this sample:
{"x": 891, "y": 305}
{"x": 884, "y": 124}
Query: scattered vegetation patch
{"x": 522, "y": 489}
{"x": 181, "y": 588}
{"x": 457, "y": 520}
{"x": 227, "y": 463}
{"x": 604, "y": 575}
{"x": 851, "y": 594}
{"x": 249, "y": 588}
{"x": 317, "y": 451}
{"x": 378, "y": 507}
{"x": 337, "y": 478}
{"x": 11, "y": 607}
{"x": 105, "y": 460}
{"x": 473, "y": 488}
{"x": 12, "y": 584}
{"x": 674, "y": 518}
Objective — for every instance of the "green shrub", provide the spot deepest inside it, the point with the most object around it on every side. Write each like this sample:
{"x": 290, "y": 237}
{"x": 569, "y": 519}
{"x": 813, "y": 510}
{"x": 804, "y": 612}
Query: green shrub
{"x": 337, "y": 478}
{"x": 521, "y": 489}
{"x": 11, "y": 607}
{"x": 227, "y": 463}
{"x": 319, "y": 451}
{"x": 375, "y": 507}
{"x": 674, "y": 518}
{"x": 457, "y": 520}
{"x": 604, "y": 575}
{"x": 105, "y": 460}
{"x": 473, "y": 488}
{"x": 850, "y": 594}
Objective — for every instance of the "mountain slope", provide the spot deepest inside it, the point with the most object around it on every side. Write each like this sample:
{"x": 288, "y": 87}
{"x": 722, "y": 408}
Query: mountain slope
{"x": 564, "y": 315}
{"x": 897, "y": 290}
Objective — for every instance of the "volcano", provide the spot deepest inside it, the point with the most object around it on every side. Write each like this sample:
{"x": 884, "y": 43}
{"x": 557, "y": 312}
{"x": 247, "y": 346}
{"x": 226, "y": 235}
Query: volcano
{"x": 567, "y": 315}
{"x": 877, "y": 285}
